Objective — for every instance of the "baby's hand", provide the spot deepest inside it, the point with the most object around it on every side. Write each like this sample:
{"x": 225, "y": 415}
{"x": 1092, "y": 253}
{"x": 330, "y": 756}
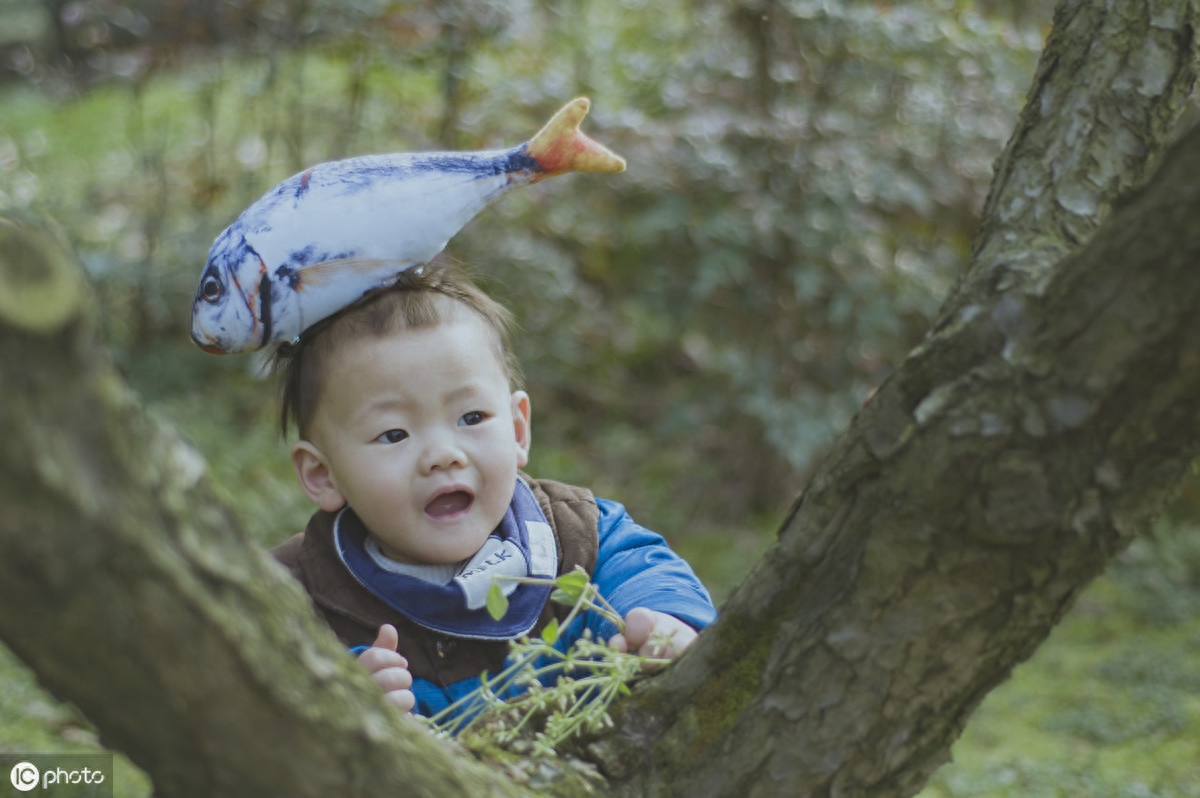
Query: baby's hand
{"x": 653, "y": 634}
{"x": 389, "y": 669}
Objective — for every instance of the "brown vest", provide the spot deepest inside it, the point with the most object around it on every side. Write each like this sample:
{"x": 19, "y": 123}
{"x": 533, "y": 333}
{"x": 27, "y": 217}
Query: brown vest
{"x": 355, "y": 614}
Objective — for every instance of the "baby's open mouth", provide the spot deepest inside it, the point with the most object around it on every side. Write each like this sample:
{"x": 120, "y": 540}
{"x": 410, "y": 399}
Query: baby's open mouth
{"x": 449, "y": 504}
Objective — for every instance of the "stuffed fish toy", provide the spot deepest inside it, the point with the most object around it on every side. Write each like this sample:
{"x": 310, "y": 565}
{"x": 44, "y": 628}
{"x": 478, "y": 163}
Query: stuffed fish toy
{"x": 321, "y": 239}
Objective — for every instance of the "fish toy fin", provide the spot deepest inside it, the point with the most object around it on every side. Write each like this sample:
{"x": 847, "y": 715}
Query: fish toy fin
{"x": 330, "y": 271}
{"x": 561, "y": 147}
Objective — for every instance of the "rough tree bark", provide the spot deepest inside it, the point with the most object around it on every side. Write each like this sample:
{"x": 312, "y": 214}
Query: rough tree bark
{"x": 1004, "y": 463}
{"x": 1041, "y": 423}
{"x": 131, "y": 592}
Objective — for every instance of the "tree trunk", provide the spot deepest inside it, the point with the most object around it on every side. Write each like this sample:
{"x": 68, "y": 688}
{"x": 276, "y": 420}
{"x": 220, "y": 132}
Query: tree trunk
{"x": 131, "y": 592}
{"x": 984, "y": 485}
{"x": 1038, "y": 427}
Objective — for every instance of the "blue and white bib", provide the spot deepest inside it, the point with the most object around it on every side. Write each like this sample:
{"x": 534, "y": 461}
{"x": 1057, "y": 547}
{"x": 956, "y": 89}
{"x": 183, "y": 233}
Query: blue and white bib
{"x": 522, "y": 545}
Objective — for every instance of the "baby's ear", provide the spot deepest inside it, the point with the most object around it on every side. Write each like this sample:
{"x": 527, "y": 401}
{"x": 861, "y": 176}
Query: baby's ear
{"x": 315, "y": 477}
{"x": 522, "y": 426}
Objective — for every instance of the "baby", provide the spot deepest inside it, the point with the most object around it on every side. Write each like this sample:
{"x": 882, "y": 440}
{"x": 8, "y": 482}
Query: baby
{"x": 413, "y": 432}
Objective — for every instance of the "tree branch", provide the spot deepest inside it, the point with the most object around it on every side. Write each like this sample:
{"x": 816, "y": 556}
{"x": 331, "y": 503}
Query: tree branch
{"x": 990, "y": 479}
{"x": 1108, "y": 91}
{"x": 142, "y": 602}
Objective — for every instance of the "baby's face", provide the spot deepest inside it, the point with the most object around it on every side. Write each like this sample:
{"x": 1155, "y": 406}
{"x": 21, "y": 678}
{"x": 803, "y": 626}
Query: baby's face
{"x": 422, "y": 437}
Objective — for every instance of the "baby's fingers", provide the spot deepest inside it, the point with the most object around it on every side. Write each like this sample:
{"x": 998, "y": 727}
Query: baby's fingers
{"x": 386, "y": 637}
{"x": 639, "y": 625}
{"x": 376, "y": 659}
{"x": 396, "y": 683}
{"x": 403, "y": 699}
{"x": 671, "y": 637}
{"x": 392, "y": 679}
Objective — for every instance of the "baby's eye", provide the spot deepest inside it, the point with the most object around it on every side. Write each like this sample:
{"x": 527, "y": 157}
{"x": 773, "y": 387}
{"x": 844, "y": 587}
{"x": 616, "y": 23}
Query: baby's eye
{"x": 392, "y": 436}
{"x": 472, "y": 418}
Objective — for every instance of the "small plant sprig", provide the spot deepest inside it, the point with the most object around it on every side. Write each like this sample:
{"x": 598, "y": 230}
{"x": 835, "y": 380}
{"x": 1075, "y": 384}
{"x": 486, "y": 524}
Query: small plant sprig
{"x": 565, "y": 692}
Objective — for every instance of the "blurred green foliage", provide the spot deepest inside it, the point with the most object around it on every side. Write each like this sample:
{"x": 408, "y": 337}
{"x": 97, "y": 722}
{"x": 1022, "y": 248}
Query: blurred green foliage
{"x": 803, "y": 184}
{"x": 804, "y": 179}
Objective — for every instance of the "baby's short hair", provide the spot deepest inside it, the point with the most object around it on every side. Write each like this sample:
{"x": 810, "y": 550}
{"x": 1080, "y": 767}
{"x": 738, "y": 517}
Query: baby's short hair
{"x": 420, "y": 298}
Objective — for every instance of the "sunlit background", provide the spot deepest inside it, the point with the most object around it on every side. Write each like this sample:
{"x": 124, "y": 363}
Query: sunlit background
{"x": 804, "y": 180}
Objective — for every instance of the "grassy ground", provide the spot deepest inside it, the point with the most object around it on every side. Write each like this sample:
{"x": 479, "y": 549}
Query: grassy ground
{"x": 1109, "y": 706}
{"x": 32, "y": 722}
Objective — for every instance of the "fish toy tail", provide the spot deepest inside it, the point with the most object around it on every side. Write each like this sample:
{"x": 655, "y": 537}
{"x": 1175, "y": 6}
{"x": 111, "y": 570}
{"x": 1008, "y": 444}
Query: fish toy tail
{"x": 561, "y": 147}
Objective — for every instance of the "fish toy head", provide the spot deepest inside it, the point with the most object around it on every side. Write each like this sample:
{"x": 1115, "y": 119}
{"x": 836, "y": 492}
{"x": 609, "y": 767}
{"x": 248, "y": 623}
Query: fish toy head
{"x": 226, "y": 314}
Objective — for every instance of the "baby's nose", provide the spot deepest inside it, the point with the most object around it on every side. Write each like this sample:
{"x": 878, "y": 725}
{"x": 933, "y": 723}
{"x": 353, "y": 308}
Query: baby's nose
{"x": 442, "y": 452}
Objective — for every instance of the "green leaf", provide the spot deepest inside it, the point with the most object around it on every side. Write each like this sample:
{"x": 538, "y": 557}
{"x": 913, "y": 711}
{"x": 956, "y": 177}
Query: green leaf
{"x": 497, "y": 602}
{"x": 570, "y": 587}
{"x": 550, "y": 632}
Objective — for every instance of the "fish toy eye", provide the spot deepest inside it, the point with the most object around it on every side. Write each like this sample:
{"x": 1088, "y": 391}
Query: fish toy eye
{"x": 210, "y": 289}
